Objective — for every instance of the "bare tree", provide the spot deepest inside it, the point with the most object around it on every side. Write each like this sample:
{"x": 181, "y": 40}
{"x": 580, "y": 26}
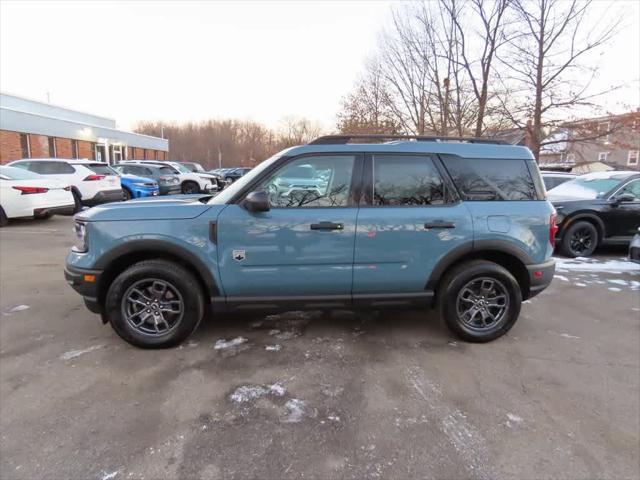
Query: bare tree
{"x": 477, "y": 58}
{"x": 547, "y": 62}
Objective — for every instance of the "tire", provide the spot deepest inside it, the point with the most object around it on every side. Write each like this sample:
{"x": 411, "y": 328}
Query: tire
{"x": 126, "y": 194}
{"x": 455, "y": 302}
{"x": 77, "y": 204}
{"x": 579, "y": 240}
{"x": 45, "y": 216}
{"x": 228, "y": 180}
{"x": 190, "y": 187}
{"x": 4, "y": 221}
{"x": 122, "y": 299}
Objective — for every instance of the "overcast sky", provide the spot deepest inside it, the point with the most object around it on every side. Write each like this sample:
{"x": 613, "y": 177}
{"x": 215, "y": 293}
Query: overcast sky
{"x": 163, "y": 60}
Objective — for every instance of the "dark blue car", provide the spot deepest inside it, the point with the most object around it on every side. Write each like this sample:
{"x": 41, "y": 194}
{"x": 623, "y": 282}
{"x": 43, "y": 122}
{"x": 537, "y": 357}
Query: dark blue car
{"x": 138, "y": 187}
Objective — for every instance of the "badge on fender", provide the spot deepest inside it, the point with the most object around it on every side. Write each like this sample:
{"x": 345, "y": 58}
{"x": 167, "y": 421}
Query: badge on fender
{"x": 238, "y": 255}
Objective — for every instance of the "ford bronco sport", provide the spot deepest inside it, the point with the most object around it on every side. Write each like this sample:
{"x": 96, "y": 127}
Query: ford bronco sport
{"x": 461, "y": 224}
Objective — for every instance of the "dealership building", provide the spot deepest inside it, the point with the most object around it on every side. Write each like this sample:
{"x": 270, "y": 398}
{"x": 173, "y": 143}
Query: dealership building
{"x": 32, "y": 129}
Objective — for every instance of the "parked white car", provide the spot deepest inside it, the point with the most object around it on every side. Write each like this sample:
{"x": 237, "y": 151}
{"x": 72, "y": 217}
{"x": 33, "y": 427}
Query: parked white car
{"x": 189, "y": 181}
{"x": 91, "y": 182}
{"x": 25, "y": 194}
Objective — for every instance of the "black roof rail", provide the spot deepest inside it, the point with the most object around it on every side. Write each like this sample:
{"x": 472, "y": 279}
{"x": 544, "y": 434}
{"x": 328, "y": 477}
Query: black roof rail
{"x": 344, "y": 139}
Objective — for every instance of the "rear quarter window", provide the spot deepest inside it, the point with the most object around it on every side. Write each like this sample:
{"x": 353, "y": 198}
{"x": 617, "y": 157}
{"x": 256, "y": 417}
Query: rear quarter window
{"x": 99, "y": 168}
{"x": 488, "y": 179}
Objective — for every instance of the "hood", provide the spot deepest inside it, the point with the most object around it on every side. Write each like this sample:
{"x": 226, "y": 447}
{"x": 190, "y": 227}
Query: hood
{"x": 206, "y": 175}
{"x": 170, "y": 207}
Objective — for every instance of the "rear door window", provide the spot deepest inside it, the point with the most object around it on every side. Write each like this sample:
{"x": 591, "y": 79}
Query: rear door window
{"x": 166, "y": 170}
{"x": 487, "y": 179}
{"x": 407, "y": 180}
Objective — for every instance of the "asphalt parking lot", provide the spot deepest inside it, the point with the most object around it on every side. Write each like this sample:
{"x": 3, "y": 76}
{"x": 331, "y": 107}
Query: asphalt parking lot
{"x": 307, "y": 395}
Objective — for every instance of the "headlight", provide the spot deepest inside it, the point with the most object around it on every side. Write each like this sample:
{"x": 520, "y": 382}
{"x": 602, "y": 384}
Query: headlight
{"x": 141, "y": 184}
{"x": 81, "y": 237}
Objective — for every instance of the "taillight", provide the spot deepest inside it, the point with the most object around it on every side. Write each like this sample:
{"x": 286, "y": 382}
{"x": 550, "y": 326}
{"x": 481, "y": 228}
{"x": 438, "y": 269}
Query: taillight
{"x": 93, "y": 177}
{"x": 30, "y": 190}
{"x": 553, "y": 229}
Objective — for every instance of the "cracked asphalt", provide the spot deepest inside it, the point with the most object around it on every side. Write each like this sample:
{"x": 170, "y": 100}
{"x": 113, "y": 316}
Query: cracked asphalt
{"x": 314, "y": 395}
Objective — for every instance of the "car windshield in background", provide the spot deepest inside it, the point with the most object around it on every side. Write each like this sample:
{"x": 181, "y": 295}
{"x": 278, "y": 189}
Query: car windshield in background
{"x": 100, "y": 169}
{"x": 181, "y": 168}
{"x": 197, "y": 168}
{"x": 11, "y": 173}
{"x": 587, "y": 188}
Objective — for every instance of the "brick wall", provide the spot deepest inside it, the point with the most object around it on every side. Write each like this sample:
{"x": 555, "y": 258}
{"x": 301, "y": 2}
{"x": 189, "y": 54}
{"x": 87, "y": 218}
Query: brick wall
{"x": 39, "y": 146}
{"x": 10, "y": 147}
{"x": 85, "y": 150}
{"x": 63, "y": 148}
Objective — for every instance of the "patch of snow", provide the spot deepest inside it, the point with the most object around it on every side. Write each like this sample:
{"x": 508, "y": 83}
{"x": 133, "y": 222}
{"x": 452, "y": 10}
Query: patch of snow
{"x": 580, "y": 284}
{"x": 566, "y": 335}
{"x": 71, "y": 354}
{"x": 614, "y": 289}
{"x": 296, "y": 410}
{"x": 248, "y": 393}
{"x": 273, "y": 348}
{"x": 514, "y": 418}
{"x": 581, "y": 264}
{"x": 110, "y": 476}
{"x": 617, "y": 281}
{"x": 14, "y": 308}
{"x": 333, "y": 417}
{"x": 234, "y": 342}
{"x": 561, "y": 277}
{"x": 287, "y": 335}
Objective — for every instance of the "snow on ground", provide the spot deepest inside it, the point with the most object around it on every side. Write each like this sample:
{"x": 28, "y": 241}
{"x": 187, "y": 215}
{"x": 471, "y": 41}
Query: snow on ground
{"x": 234, "y": 342}
{"x": 248, "y": 393}
{"x": 71, "y": 354}
{"x": 582, "y": 264}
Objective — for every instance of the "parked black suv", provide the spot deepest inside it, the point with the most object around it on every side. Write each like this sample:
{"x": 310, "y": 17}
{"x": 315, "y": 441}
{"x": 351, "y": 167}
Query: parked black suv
{"x": 595, "y": 209}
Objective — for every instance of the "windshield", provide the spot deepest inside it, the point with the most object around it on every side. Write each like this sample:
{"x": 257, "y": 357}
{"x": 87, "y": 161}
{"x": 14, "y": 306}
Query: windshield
{"x": 228, "y": 193}
{"x": 181, "y": 168}
{"x": 12, "y": 173}
{"x": 587, "y": 188}
{"x": 196, "y": 167}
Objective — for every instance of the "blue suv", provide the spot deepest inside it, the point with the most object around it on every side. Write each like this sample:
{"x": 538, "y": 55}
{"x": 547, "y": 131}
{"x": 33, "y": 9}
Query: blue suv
{"x": 460, "y": 224}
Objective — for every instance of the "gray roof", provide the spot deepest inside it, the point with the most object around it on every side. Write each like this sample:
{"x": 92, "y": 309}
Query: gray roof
{"x": 18, "y": 114}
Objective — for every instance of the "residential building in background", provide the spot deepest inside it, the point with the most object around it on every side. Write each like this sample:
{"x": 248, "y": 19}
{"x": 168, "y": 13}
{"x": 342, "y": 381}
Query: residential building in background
{"x": 605, "y": 143}
{"x": 33, "y": 129}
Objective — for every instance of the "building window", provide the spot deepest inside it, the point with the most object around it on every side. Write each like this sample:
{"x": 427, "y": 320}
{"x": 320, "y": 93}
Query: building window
{"x": 24, "y": 145}
{"x": 571, "y": 158}
{"x": 74, "y": 149}
{"x": 604, "y": 129}
{"x": 155, "y": 154}
{"x": 602, "y": 156}
{"x": 52, "y": 147}
{"x": 636, "y": 125}
{"x": 632, "y": 159}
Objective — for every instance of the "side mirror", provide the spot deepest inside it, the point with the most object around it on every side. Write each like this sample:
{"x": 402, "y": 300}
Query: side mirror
{"x": 257, "y": 201}
{"x": 625, "y": 197}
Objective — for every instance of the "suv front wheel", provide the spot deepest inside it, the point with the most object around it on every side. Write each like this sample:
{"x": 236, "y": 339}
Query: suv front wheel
{"x": 479, "y": 301}
{"x": 154, "y": 304}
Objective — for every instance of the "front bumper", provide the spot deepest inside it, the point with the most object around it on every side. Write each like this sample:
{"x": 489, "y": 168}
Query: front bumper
{"x": 540, "y": 276}
{"x": 634, "y": 249}
{"x": 85, "y": 282}
{"x": 170, "y": 189}
{"x": 104, "y": 196}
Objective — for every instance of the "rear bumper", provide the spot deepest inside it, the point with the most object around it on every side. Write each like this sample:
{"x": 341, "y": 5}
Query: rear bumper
{"x": 85, "y": 282}
{"x": 540, "y": 276}
{"x": 634, "y": 249}
{"x": 104, "y": 196}
{"x": 62, "y": 210}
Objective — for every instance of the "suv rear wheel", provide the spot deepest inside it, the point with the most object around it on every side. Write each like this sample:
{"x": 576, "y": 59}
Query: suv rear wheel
{"x": 479, "y": 301}
{"x": 580, "y": 240}
{"x": 154, "y": 304}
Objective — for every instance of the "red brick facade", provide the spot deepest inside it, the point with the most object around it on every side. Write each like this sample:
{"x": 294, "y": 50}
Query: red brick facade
{"x": 86, "y": 150}
{"x": 11, "y": 148}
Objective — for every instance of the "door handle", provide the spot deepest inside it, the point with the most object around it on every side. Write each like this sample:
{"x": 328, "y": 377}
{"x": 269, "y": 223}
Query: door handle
{"x": 327, "y": 226}
{"x": 429, "y": 226}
